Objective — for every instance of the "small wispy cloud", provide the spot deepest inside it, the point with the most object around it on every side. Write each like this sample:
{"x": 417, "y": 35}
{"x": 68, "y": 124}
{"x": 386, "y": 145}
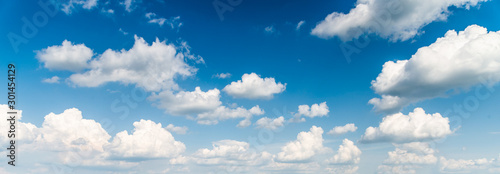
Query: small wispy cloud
{"x": 177, "y": 129}
{"x": 108, "y": 11}
{"x": 270, "y": 29}
{"x": 300, "y": 24}
{"x": 222, "y": 75}
{"x": 123, "y": 32}
{"x": 54, "y": 79}
{"x": 173, "y": 22}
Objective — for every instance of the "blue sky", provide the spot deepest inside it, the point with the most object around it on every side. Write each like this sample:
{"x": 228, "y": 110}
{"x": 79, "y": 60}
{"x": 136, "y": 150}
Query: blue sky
{"x": 131, "y": 65}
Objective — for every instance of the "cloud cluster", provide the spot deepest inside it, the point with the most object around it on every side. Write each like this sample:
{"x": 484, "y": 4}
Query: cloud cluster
{"x": 393, "y": 19}
{"x": 151, "y": 67}
{"x": 252, "y": 86}
{"x": 76, "y": 141}
{"x": 456, "y": 61}
{"x": 206, "y": 107}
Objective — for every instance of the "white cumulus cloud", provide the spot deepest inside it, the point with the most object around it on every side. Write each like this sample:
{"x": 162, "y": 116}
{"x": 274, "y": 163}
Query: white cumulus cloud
{"x": 252, "y": 86}
{"x": 188, "y": 102}
{"x": 205, "y": 107}
{"x": 416, "y": 126}
{"x": 152, "y": 67}
{"x": 315, "y": 110}
{"x": 454, "y": 62}
{"x": 67, "y": 56}
{"x": 148, "y": 140}
{"x": 304, "y": 148}
{"x": 348, "y": 153}
{"x": 393, "y": 19}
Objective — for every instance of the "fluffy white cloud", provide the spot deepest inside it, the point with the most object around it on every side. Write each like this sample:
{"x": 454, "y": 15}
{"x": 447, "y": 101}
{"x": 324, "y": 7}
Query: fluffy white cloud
{"x": 67, "y": 56}
{"x": 316, "y": 110}
{"x": 152, "y": 67}
{"x": 304, "y": 148}
{"x": 269, "y": 123}
{"x": 252, "y": 86}
{"x": 186, "y": 102}
{"x": 70, "y": 130}
{"x": 148, "y": 140}
{"x": 68, "y": 6}
{"x": 343, "y": 129}
{"x": 231, "y": 152}
{"x": 455, "y": 61}
{"x": 177, "y": 129}
{"x": 393, "y": 19}
{"x": 69, "y": 140}
{"x": 66, "y": 139}
{"x": 348, "y": 153}
{"x": 416, "y": 126}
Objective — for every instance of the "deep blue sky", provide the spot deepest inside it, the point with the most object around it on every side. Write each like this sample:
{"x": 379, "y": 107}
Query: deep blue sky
{"x": 314, "y": 69}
